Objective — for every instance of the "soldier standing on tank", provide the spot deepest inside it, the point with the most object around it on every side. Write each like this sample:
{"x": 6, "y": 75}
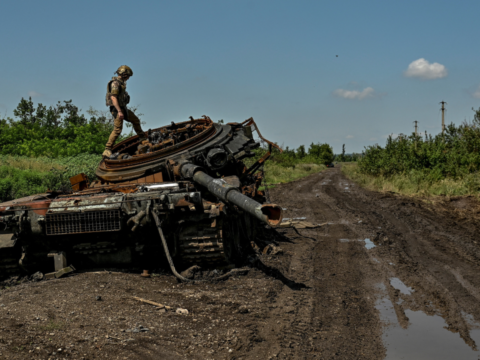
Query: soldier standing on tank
{"x": 117, "y": 99}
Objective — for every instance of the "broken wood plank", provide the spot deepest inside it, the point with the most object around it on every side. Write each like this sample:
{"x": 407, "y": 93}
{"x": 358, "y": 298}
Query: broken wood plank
{"x": 152, "y": 303}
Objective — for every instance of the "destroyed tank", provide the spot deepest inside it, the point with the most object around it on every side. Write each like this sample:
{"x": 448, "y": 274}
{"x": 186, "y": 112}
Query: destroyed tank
{"x": 184, "y": 196}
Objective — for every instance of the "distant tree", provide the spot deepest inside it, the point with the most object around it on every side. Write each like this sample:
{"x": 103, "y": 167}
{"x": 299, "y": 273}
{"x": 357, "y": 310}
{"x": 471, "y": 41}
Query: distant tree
{"x": 25, "y": 112}
{"x": 301, "y": 153}
{"x": 323, "y": 153}
{"x": 476, "y": 117}
{"x": 55, "y": 131}
{"x": 60, "y": 115}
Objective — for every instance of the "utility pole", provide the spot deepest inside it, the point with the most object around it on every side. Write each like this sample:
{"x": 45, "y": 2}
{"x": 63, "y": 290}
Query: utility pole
{"x": 443, "y": 116}
{"x": 416, "y": 133}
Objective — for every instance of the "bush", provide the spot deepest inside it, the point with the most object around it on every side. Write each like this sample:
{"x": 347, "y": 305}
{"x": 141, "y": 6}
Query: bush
{"x": 57, "y": 131}
{"x": 22, "y": 176}
{"x": 320, "y": 154}
{"x": 453, "y": 155}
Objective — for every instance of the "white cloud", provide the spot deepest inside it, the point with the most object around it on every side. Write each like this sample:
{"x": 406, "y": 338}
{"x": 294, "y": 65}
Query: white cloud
{"x": 476, "y": 94}
{"x": 355, "y": 94}
{"x": 350, "y": 136}
{"x": 34, "y": 94}
{"x": 372, "y": 139}
{"x": 422, "y": 69}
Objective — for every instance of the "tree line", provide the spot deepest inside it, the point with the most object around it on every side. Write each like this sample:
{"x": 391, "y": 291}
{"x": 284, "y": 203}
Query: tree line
{"x": 454, "y": 154}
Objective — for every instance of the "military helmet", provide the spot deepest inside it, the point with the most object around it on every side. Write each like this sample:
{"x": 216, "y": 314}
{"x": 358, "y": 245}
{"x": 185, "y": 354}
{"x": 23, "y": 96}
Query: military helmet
{"x": 124, "y": 69}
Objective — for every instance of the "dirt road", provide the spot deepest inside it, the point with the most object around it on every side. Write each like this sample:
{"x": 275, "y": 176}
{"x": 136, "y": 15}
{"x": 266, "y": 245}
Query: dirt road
{"x": 382, "y": 277}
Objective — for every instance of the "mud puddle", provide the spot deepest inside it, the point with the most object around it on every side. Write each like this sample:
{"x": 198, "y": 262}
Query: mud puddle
{"x": 400, "y": 286}
{"x": 423, "y": 337}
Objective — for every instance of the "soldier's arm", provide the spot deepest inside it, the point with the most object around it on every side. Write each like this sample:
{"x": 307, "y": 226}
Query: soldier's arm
{"x": 115, "y": 90}
{"x": 117, "y": 106}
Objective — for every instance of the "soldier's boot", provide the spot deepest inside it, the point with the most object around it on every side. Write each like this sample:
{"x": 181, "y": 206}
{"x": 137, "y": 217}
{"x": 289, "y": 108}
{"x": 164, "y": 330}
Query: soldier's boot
{"x": 107, "y": 153}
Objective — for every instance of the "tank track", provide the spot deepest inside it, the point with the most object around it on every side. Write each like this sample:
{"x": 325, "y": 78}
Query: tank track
{"x": 202, "y": 244}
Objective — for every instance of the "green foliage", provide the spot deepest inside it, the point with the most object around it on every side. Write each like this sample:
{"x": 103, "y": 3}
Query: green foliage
{"x": 56, "y": 131}
{"x": 453, "y": 155}
{"x": 16, "y": 183}
{"x": 301, "y": 153}
{"x": 321, "y": 154}
{"x": 22, "y": 176}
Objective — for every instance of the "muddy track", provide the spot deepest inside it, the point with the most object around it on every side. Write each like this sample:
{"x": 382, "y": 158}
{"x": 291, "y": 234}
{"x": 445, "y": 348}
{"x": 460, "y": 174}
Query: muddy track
{"x": 321, "y": 299}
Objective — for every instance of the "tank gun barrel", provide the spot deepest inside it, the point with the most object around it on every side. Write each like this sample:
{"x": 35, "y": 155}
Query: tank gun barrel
{"x": 270, "y": 214}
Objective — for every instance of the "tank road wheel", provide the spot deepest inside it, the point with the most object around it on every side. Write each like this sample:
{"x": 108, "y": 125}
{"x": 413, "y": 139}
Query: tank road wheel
{"x": 201, "y": 243}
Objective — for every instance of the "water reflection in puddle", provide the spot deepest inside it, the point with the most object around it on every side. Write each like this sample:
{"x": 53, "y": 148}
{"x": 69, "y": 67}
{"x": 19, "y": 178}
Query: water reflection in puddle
{"x": 369, "y": 244}
{"x": 425, "y": 337}
{"x": 296, "y": 218}
{"x": 399, "y": 285}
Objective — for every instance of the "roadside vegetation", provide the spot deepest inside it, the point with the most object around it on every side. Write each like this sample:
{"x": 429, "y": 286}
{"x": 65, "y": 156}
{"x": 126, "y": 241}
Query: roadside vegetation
{"x": 445, "y": 164}
{"x": 22, "y": 176}
{"x": 275, "y": 174}
{"x": 55, "y": 132}
{"x": 294, "y": 164}
{"x": 414, "y": 183}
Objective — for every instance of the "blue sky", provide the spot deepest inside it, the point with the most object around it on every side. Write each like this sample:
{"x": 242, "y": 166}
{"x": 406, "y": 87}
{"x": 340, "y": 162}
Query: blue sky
{"x": 272, "y": 60}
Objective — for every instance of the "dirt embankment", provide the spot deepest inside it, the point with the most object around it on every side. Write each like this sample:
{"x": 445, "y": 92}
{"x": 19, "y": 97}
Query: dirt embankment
{"x": 316, "y": 300}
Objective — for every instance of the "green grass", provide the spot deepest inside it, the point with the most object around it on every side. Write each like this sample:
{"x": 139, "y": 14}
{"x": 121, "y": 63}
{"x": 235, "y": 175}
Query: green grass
{"x": 22, "y": 176}
{"x": 41, "y": 164}
{"x": 415, "y": 183}
{"x": 76, "y": 164}
{"x": 276, "y": 174}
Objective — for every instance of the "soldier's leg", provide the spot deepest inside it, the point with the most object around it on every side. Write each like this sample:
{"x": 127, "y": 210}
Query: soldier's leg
{"x": 135, "y": 121}
{"x": 117, "y": 130}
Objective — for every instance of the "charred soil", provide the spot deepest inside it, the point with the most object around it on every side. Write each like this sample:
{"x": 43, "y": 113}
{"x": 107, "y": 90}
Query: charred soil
{"x": 315, "y": 299}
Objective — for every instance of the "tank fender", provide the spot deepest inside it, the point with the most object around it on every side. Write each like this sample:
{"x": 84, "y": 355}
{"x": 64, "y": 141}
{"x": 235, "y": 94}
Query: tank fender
{"x": 81, "y": 203}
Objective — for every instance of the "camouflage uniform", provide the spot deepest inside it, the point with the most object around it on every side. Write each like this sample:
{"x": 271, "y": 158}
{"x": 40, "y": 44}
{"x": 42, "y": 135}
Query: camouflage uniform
{"x": 117, "y": 87}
